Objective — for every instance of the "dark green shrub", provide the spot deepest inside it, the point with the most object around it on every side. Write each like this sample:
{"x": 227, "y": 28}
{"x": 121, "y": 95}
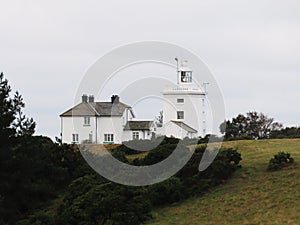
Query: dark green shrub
{"x": 166, "y": 192}
{"x": 280, "y": 160}
{"x": 226, "y": 162}
{"x": 94, "y": 201}
{"x": 137, "y": 146}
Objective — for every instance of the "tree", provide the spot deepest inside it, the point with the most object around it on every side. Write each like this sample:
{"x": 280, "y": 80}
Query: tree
{"x": 7, "y": 112}
{"x": 253, "y": 125}
{"x": 16, "y": 154}
{"x": 159, "y": 119}
{"x": 22, "y": 125}
{"x": 13, "y": 122}
{"x": 236, "y": 128}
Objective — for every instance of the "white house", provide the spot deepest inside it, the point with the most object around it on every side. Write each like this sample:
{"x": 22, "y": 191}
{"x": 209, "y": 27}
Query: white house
{"x": 114, "y": 121}
{"x": 102, "y": 122}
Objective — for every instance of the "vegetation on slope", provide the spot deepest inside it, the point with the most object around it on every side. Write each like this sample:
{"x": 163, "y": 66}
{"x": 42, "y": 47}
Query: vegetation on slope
{"x": 91, "y": 199}
{"x": 252, "y": 196}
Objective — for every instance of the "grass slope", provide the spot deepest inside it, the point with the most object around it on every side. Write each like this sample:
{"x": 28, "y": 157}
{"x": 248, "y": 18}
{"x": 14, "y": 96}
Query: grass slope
{"x": 252, "y": 196}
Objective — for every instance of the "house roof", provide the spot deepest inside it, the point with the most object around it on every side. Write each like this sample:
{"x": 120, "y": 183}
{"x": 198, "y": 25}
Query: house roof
{"x": 138, "y": 125}
{"x": 96, "y": 109}
{"x": 184, "y": 126}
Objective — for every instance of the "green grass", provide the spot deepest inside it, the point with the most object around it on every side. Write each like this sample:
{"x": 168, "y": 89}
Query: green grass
{"x": 252, "y": 196}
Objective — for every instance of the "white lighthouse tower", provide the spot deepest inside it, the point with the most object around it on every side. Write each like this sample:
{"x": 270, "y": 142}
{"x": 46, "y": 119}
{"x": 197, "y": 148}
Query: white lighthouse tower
{"x": 184, "y": 106}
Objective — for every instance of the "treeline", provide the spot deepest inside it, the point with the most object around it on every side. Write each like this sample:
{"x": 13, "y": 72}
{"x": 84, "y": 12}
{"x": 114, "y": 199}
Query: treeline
{"x": 288, "y": 132}
{"x": 254, "y": 125}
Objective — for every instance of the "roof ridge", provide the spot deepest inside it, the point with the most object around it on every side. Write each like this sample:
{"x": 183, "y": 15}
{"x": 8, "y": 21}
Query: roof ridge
{"x": 122, "y": 103}
{"x": 138, "y": 125}
{"x": 93, "y": 108}
{"x": 71, "y": 109}
{"x": 97, "y": 109}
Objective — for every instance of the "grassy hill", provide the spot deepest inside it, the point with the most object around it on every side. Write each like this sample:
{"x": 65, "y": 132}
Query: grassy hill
{"x": 252, "y": 196}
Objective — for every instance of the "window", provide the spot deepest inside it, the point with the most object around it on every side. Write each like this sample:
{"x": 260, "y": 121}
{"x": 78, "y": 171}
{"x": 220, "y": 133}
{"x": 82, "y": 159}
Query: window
{"x": 180, "y": 100}
{"x": 87, "y": 121}
{"x": 186, "y": 76}
{"x": 180, "y": 115}
{"x": 75, "y": 138}
{"x": 135, "y": 135}
{"x": 108, "y": 137}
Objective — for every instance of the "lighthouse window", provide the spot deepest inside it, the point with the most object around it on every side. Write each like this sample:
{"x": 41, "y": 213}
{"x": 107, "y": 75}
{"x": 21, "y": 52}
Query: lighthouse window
{"x": 180, "y": 115}
{"x": 186, "y": 76}
{"x": 180, "y": 100}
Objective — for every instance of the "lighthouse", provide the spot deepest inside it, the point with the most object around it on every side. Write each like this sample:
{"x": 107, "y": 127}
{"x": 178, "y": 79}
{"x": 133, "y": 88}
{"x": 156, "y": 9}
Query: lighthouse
{"x": 184, "y": 106}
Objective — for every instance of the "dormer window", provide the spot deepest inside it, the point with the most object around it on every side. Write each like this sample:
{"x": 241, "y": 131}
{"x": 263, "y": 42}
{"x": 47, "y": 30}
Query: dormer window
{"x": 186, "y": 76}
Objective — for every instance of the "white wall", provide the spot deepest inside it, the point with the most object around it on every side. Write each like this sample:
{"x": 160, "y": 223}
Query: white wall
{"x": 75, "y": 125}
{"x": 110, "y": 125}
{"x": 171, "y": 129}
{"x": 193, "y": 110}
{"x": 105, "y": 125}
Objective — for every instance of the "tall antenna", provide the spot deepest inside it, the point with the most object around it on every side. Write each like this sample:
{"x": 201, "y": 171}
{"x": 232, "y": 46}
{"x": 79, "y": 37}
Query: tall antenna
{"x": 204, "y": 108}
{"x": 176, "y": 59}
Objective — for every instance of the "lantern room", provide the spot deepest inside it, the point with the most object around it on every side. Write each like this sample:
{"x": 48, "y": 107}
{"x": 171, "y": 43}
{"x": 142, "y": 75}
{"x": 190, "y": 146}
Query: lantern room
{"x": 184, "y": 73}
{"x": 186, "y": 76}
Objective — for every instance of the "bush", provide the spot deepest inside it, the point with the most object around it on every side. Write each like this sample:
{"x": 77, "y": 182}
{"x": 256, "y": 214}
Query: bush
{"x": 137, "y": 146}
{"x": 166, "y": 192}
{"x": 93, "y": 200}
{"x": 225, "y": 163}
{"x": 280, "y": 160}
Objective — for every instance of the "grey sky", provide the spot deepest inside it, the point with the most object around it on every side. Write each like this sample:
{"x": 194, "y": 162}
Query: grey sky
{"x": 252, "y": 48}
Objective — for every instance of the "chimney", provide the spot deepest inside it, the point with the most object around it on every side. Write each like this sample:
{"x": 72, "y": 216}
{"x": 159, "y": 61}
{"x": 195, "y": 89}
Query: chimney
{"x": 91, "y": 98}
{"x": 115, "y": 99}
{"x": 84, "y": 98}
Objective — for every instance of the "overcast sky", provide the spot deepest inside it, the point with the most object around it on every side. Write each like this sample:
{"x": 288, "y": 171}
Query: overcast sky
{"x": 252, "y": 47}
